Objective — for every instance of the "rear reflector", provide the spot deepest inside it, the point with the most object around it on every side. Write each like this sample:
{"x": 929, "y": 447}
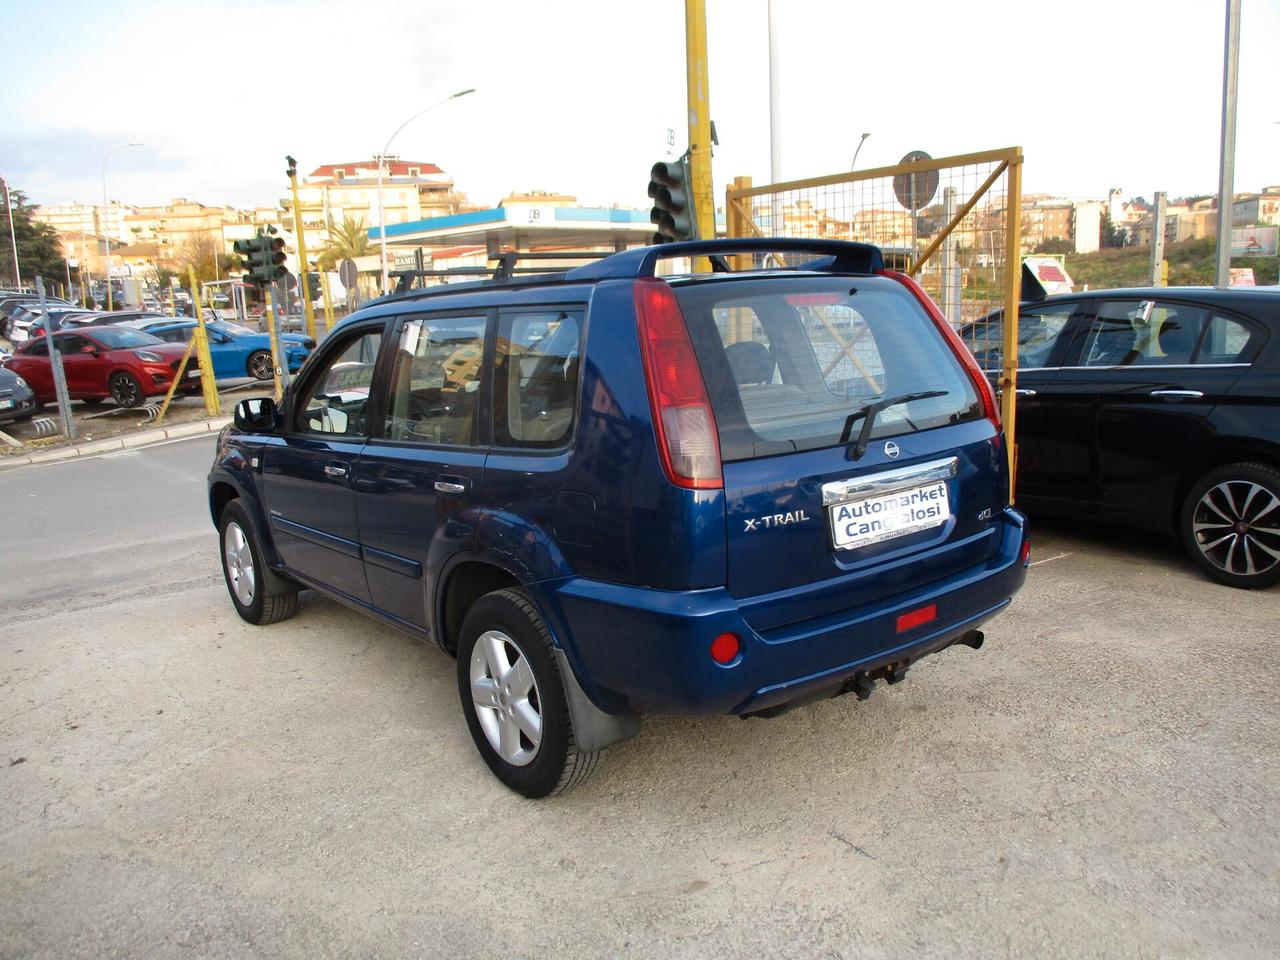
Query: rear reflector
{"x": 688, "y": 444}
{"x": 1026, "y": 552}
{"x": 909, "y": 621}
{"x": 725, "y": 648}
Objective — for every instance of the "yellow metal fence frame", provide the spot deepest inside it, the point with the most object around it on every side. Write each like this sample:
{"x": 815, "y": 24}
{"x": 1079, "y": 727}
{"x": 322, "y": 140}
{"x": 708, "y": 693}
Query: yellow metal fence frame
{"x": 740, "y": 222}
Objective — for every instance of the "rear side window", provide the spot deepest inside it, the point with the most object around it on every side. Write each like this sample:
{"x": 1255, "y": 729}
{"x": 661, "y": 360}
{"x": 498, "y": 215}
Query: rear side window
{"x": 791, "y": 363}
{"x": 1228, "y": 341}
{"x": 536, "y": 378}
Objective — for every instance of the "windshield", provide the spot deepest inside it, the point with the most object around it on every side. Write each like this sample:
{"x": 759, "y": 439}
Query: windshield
{"x": 230, "y": 329}
{"x": 798, "y": 363}
{"x": 122, "y": 338}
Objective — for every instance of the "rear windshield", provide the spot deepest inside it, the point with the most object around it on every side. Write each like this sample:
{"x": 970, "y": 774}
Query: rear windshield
{"x": 790, "y": 362}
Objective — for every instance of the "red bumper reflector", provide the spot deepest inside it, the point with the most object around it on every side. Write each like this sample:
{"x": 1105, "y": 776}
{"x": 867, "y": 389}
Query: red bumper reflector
{"x": 909, "y": 621}
{"x": 724, "y": 648}
{"x": 1026, "y": 552}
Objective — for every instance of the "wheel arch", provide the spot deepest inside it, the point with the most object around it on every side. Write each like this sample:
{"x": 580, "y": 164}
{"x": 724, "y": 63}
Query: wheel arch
{"x": 1224, "y": 451}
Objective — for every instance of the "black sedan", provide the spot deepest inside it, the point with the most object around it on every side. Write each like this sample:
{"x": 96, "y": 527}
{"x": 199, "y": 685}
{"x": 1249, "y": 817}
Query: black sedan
{"x": 1155, "y": 408}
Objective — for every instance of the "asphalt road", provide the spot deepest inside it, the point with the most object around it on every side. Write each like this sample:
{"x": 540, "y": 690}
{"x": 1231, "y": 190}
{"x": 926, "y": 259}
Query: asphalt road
{"x": 1100, "y": 780}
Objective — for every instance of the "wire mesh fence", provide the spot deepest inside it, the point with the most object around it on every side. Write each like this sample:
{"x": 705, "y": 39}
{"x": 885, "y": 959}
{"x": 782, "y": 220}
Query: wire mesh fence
{"x": 946, "y": 221}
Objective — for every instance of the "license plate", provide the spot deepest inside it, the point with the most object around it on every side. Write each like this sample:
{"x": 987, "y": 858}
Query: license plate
{"x": 191, "y": 374}
{"x": 6, "y": 404}
{"x": 860, "y": 523}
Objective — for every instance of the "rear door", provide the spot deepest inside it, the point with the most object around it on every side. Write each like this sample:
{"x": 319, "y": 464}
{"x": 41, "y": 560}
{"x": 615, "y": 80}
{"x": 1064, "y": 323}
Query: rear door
{"x": 793, "y": 366}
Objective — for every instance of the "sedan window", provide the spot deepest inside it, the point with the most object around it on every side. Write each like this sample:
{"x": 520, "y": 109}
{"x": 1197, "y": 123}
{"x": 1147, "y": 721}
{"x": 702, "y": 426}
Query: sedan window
{"x": 1228, "y": 341}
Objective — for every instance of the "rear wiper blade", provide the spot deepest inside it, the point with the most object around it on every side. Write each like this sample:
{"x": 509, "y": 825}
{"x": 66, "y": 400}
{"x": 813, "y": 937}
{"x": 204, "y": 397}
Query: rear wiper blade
{"x": 869, "y": 412}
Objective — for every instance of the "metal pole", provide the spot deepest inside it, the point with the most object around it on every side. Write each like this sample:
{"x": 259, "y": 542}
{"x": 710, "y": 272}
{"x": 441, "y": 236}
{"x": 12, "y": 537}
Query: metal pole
{"x": 273, "y": 328}
{"x": 382, "y": 227}
{"x": 1012, "y": 294}
{"x": 208, "y": 383}
{"x": 775, "y": 122}
{"x": 699, "y": 99}
{"x": 1227, "y": 163}
{"x": 13, "y": 240}
{"x": 950, "y": 286}
{"x": 55, "y": 363}
{"x": 305, "y": 268}
{"x": 854, "y": 162}
{"x": 1157, "y": 241}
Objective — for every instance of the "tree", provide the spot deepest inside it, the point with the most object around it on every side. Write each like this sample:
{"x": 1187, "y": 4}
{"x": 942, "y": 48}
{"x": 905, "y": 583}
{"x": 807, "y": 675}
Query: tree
{"x": 1055, "y": 245}
{"x": 347, "y": 241}
{"x": 1109, "y": 235}
{"x": 200, "y": 251}
{"x": 39, "y": 248}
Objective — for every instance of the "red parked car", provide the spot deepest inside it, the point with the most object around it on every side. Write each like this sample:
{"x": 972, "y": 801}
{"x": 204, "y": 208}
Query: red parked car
{"x": 126, "y": 365}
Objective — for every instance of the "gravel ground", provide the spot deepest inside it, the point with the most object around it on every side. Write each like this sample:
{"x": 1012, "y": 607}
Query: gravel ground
{"x": 1100, "y": 780}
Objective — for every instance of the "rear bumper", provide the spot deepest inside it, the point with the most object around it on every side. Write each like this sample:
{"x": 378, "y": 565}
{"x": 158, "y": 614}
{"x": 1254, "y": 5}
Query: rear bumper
{"x": 647, "y": 650}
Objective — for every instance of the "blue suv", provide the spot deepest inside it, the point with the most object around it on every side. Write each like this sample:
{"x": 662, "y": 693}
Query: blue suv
{"x": 609, "y": 492}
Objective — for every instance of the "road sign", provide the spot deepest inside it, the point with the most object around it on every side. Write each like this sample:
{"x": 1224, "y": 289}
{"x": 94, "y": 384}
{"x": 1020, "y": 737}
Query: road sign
{"x": 915, "y": 190}
{"x": 348, "y": 273}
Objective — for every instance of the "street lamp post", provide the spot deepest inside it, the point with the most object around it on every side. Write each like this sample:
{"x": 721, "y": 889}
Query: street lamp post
{"x": 107, "y": 239}
{"x": 382, "y": 226}
{"x": 859, "y": 150}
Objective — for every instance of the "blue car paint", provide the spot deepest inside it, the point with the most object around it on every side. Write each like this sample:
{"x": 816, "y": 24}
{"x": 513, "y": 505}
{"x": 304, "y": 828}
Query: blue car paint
{"x": 629, "y": 571}
{"x": 231, "y": 358}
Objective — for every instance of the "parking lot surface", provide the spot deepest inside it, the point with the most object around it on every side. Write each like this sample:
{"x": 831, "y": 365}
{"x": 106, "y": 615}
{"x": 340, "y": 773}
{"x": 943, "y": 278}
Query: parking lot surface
{"x": 1100, "y": 780}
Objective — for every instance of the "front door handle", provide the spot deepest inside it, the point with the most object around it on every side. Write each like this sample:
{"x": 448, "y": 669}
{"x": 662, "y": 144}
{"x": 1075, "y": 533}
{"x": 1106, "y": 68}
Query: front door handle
{"x": 1177, "y": 394}
{"x": 334, "y": 470}
{"x": 444, "y": 486}
{"x": 1021, "y": 392}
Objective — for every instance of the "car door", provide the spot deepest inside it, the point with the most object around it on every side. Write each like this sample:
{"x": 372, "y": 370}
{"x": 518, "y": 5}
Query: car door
{"x": 32, "y": 364}
{"x": 1128, "y": 406}
{"x": 418, "y": 481}
{"x": 1044, "y": 333}
{"x": 309, "y": 470}
{"x": 82, "y": 370}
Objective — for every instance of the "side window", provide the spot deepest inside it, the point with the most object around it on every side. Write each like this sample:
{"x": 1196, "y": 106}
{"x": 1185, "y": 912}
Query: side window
{"x": 536, "y": 378}
{"x": 1113, "y": 336}
{"x": 1227, "y": 342}
{"x": 338, "y": 394}
{"x": 435, "y": 382}
{"x": 67, "y": 346}
{"x": 39, "y": 349}
{"x": 1171, "y": 333}
{"x": 1038, "y": 332}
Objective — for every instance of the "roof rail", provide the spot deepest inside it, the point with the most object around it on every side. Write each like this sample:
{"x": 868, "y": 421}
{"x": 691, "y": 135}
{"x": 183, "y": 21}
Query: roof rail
{"x": 507, "y": 268}
{"x": 843, "y": 256}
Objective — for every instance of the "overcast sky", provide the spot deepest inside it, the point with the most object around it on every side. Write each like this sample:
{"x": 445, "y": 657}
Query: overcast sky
{"x": 576, "y": 96}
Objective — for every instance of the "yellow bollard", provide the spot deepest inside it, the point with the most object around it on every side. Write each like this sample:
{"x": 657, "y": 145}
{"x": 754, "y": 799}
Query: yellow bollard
{"x": 177, "y": 378}
{"x": 328, "y": 303}
{"x": 275, "y": 345}
{"x": 208, "y": 384}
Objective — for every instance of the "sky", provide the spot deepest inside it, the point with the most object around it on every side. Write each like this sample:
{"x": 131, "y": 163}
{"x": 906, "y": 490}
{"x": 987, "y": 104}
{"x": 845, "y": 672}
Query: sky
{"x": 577, "y": 96}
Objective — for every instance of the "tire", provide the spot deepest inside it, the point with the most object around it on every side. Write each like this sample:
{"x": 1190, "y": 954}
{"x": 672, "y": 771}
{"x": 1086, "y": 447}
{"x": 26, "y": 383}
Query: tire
{"x": 92, "y": 401}
{"x": 507, "y": 679}
{"x": 125, "y": 390}
{"x": 260, "y": 366}
{"x": 1230, "y": 525}
{"x": 255, "y": 595}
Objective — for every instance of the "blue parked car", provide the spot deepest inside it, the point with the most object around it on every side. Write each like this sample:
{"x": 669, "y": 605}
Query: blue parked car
{"x": 236, "y": 351}
{"x": 609, "y": 493}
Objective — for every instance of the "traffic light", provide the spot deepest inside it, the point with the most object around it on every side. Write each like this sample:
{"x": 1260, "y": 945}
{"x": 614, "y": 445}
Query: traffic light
{"x": 672, "y": 211}
{"x": 313, "y": 286}
{"x": 263, "y": 257}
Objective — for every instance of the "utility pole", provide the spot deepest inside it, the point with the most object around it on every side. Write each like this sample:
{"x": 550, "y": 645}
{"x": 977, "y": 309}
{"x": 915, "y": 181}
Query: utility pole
{"x": 775, "y": 124}
{"x": 701, "y": 182}
{"x": 13, "y": 241}
{"x": 304, "y": 268}
{"x": 1227, "y": 162}
{"x": 55, "y": 364}
{"x": 1159, "y": 278}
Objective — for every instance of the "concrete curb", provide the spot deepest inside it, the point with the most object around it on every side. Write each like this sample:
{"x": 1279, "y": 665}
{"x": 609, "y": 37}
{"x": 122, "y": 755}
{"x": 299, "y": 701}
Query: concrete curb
{"x": 142, "y": 438}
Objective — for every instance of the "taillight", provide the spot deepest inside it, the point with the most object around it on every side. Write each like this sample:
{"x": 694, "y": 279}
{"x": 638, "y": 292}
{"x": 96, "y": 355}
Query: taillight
{"x": 980, "y": 382}
{"x": 687, "y": 440}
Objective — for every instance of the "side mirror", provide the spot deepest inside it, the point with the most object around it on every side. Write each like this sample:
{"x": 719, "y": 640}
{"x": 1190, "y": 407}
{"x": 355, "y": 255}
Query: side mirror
{"x": 257, "y": 415}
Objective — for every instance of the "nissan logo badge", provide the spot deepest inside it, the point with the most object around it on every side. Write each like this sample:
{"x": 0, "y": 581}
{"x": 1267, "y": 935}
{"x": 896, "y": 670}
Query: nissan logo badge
{"x": 891, "y": 450}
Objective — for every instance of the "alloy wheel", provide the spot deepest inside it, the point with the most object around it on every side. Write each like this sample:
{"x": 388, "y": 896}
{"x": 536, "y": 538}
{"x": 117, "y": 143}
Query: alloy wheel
{"x": 1236, "y": 525}
{"x": 506, "y": 698}
{"x": 124, "y": 391}
{"x": 239, "y": 558}
{"x": 260, "y": 366}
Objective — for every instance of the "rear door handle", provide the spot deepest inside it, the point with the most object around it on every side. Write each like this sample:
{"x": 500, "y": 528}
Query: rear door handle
{"x": 334, "y": 470}
{"x": 444, "y": 486}
{"x": 1177, "y": 394}
{"x": 1024, "y": 393}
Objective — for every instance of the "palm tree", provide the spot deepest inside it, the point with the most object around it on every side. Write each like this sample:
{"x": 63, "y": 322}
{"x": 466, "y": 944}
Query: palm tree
{"x": 351, "y": 239}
